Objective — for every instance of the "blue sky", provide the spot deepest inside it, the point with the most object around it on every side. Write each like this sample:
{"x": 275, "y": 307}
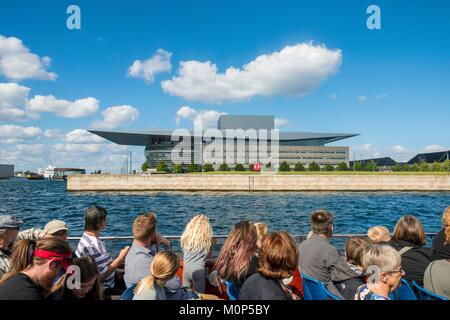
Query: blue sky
{"x": 391, "y": 85}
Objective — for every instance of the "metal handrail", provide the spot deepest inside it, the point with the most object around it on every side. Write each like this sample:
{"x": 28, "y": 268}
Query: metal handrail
{"x": 172, "y": 237}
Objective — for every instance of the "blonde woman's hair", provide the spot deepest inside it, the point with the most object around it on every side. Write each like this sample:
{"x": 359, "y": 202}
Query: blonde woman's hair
{"x": 197, "y": 235}
{"x": 378, "y": 234}
{"x": 446, "y": 223}
{"x": 383, "y": 256}
{"x": 261, "y": 231}
{"x": 164, "y": 267}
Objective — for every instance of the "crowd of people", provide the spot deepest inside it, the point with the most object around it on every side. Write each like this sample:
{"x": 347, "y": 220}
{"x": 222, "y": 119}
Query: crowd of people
{"x": 40, "y": 264}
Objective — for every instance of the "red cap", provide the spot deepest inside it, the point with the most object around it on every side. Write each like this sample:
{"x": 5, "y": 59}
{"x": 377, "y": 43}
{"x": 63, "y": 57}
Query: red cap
{"x": 64, "y": 259}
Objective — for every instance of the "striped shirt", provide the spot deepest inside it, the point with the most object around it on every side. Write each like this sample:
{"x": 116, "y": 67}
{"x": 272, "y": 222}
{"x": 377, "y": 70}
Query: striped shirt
{"x": 95, "y": 248}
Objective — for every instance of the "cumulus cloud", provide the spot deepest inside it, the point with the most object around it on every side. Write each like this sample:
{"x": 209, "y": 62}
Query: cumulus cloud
{"x": 116, "y": 116}
{"x": 82, "y": 136}
{"x": 434, "y": 148}
{"x": 295, "y": 70}
{"x": 11, "y": 134}
{"x": 399, "y": 149}
{"x": 64, "y": 108}
{"x": 18, "y": 63}
{"x": 13, "y": 98}
{"x": 15, "y": 104}
{"x": 52, "y": 134}
{"x": 207, "y": 118}
{"x": 147, "y": 69}
{"x": 280, "y": 122}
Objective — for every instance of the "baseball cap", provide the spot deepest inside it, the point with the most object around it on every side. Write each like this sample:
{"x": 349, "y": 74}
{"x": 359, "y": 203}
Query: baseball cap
{"x": 55, "y": 226}
{"x": 10, "y": 222}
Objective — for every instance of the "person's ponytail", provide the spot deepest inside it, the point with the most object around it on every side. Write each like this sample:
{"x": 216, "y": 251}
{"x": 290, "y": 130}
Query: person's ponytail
{"x": 21, "y": 257}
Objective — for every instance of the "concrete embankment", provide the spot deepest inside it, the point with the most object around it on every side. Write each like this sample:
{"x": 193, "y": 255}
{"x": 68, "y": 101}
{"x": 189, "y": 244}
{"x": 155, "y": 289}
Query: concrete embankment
{"x": 235, "y": 182}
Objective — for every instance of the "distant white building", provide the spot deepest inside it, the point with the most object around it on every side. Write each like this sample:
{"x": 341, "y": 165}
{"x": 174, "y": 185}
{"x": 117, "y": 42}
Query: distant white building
{"x": 59, "y": 173}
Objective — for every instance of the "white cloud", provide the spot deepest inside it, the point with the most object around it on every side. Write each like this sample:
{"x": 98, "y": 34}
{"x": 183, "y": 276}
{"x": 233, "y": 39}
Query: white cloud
{"x": 77, "y": 147}
{"x": 185, "y": 112}
{"x": 295, "y": 70}
{"x": 365, "y": 151}
{"x": 434, "y": 148}
{"x": 11, "y": 134}
{"x": 207, "y": 118}
{"x": 362, "y": 98}
{"x": 116, "y": 116}
{"x": 52, "y": 134}
{"x": 147, "y": 69}
{"x": 64, "y": 108}
{"x": 399, "y": 149}
{"x": 15, "y": 104}
{"x": 13, "y": 98}
{"x": 82, "y": 136}
{"x": 18, "y": 63}
{"x": 280, "y": 122}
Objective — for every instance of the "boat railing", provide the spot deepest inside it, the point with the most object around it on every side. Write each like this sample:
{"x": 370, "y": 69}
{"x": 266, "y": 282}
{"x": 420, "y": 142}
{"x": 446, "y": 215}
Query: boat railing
{"x": 223, "y": 237}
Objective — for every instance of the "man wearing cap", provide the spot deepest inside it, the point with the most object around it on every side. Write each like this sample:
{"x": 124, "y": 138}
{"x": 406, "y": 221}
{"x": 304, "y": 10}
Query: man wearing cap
{"x": 9, "y": 229}
{"x": 53, "y": 229}
{"x": 9, "y": 233}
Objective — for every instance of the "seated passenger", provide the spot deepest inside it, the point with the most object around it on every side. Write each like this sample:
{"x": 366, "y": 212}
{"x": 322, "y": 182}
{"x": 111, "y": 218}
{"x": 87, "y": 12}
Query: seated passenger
{"x": 50, "y": 258}
{"x": 53, "y": 229}
{"x": 141, "y": 254}
{"x": 441, "y": 243}
{"x": 21, "y": 258}
{"x": 9, "y": 229}
{"x": 196, "y": 242}
{"x": 354, "y": 249}
{"x": 82, "y": 284}
{"x": 437, "y": 278}
{"x": 164, "y": 267}
{"x": 278, "y": 259}
{"x": 409, "y": 239}
{"x": 319, "y": 259}
{"x": 237, "y": 259}
{"x": 382, "y": 264}
{"x": 91, "y": 245}
{"x": 378, "y": 234}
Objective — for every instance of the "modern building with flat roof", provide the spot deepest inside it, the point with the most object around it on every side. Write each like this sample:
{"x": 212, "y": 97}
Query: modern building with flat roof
{"x": 293, "y": 147}
{"x": 6, "y": 171}
{"x": 430, "y": 157}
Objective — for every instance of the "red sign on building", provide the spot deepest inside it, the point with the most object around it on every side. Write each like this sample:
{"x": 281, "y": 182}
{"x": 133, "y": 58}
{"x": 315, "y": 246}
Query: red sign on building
{"x": 256, "y": 167}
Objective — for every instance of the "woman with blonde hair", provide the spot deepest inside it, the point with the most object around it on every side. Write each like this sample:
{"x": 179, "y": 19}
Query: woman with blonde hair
{"x": 441, "y": 243}
{"x": 409, "y": 240}
{"x": 261, "y": 232}
{"x": 164, "y": 267}
{"x": 196, "y": 242}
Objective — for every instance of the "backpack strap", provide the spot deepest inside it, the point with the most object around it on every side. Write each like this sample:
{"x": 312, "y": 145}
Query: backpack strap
{"x": 404, "y": 249}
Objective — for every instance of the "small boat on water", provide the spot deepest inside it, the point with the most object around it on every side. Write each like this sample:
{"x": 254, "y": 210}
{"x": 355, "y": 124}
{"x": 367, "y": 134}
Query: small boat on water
{"x": 35, "y": 177}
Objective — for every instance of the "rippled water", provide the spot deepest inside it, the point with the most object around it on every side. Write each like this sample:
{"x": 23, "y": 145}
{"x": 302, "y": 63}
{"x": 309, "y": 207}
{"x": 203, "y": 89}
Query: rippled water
{"x": 37, "y": 202}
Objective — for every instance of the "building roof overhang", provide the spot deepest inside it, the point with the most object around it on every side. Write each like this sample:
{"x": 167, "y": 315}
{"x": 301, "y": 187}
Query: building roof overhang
{"x": 142, "y": 138}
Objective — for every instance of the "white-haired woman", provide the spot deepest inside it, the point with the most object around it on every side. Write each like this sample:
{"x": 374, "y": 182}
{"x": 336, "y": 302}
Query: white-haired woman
{"x": 382, "y": 263}
{"x": 196, "y": 242}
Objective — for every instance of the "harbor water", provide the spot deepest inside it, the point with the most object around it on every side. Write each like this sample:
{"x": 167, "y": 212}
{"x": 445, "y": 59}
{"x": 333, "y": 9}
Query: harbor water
{"x": 37, "y": 202}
